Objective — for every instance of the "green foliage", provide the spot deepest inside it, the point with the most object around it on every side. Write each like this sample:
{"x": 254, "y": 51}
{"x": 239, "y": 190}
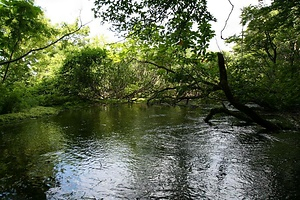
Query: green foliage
{"x": 30, "y": 81}
{"x": 48, "y": 93}
{"x": 179, "y": 74}
{"x": 35, "y": 112}
{"x": 20, "y": 20}
{"x": 83, "y": 72}
{"x": 172, "y": 38}
{"x": 96, "y": 73}
{"x": 15, "y": 98}
{"x": 23, "y": 27}
{"x": 266, "y": 68}
{"x": 160, "y": 22}
{"x": 164, "y": 59}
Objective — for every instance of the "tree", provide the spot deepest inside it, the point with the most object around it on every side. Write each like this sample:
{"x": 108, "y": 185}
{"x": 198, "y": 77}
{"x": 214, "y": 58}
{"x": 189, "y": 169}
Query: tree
{"x": 174, "y": 35}
{"x": 82, "y": 73}
{"x": 22, "y": 24}
{"x": 269, "y": 55}
{"x": 24, "y": 32}
{"x": 182, "y": 29}
{"x": 91, "y": 73}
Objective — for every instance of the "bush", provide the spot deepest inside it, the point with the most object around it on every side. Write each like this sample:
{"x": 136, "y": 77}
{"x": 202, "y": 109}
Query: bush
{"x": 15, "y": 98}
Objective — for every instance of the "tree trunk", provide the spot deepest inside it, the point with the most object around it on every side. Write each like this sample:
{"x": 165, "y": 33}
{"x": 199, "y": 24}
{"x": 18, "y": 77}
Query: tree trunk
{"x": 235, "y": 103}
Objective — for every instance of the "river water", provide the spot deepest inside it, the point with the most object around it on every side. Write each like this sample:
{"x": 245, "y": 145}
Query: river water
{"x": 140, "y": 152}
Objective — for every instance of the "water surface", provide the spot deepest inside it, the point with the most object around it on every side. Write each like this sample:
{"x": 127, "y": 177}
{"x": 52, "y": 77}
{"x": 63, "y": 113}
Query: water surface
{"x": 140, "y": 152}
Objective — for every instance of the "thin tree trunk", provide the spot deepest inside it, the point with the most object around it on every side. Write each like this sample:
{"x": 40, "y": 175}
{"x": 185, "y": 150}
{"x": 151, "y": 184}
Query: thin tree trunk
{"x": 6, "y": 69}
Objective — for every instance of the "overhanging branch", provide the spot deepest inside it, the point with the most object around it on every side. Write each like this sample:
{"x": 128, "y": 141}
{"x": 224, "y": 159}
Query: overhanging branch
{"x": 156, "y": 65}
{"x": 235, "y": 103}
{"x": 42, "y": 48}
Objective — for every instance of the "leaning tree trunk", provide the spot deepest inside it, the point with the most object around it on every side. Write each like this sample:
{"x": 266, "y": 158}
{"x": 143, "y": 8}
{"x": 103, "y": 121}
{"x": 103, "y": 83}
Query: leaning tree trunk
{"x": 235, "y": 103}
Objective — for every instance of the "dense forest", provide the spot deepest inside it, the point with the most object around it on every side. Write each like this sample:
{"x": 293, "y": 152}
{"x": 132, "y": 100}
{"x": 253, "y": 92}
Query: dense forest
{"x": 164, "y": 59}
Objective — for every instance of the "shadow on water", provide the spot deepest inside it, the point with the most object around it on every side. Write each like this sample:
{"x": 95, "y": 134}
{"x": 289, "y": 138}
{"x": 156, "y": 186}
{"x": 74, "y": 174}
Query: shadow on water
{"x": 140, "y": 152}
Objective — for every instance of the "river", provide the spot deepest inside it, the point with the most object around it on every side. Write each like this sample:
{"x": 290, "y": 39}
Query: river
{"x": 139, "y": 152}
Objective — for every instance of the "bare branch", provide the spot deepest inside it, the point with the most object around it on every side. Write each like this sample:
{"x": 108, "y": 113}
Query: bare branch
{"x": 42, "y": 48}
{"x": 215, "y": 86}
{"x": 232, "y": 7}
{"x": 156, "y": 65}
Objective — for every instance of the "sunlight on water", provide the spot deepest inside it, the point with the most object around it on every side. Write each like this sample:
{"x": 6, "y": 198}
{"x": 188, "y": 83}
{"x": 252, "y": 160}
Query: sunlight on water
{"x": 136, "y": 152}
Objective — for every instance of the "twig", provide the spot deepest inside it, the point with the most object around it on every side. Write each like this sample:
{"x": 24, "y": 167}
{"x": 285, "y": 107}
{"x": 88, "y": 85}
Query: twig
{"x": 156, "y": 65}
{"x": 232, "y": 7}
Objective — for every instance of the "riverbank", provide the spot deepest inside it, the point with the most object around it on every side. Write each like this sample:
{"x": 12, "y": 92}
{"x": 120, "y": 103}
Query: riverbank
{"x": 41, "y": 111}
{"x": 289, "y": 120}
{"x": 31, "y": 113}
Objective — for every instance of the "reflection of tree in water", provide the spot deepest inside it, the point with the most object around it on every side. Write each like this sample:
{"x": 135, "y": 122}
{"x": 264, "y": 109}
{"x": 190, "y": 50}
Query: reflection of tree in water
{"x": 24, "y": 171}
{"x": 209, "y": 163}
{"x": 164, "y": 164}
{"x": 136, "y": 152}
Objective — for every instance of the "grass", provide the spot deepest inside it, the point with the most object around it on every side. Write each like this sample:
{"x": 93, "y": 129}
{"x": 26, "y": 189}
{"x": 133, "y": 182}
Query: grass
{"x": 40, "y": 111}
{"x": 34, "y": 112}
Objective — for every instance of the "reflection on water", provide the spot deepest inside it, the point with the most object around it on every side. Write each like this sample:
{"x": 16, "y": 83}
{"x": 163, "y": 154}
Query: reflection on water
{"x": 136, "y": 152}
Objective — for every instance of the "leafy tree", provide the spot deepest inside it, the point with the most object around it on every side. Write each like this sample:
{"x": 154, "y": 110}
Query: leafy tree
{"x": 94, "y": 72}
{"x": 267, "y": 67}
{"x": 182, "y": 30}
{"x": 172, "y": 37}
{"x": 160, "y": 22}
{"x": 82, "y": 73}
{"x": 22, "y": 25}
{"x": 141, "y": 78}
{"x": 24, "y": 34}
{"x": 51, "y": 59}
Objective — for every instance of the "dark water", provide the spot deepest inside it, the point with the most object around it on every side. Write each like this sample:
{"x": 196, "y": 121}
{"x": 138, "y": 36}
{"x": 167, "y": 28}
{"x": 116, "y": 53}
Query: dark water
{"x": 136, "y": 152}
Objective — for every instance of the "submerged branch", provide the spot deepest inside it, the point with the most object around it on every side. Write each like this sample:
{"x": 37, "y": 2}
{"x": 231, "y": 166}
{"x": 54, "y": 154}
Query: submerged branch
{"x": 224, "y": 110}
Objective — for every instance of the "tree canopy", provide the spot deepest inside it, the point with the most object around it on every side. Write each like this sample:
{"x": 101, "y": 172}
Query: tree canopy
{"x": 184, "y": 26}
{"x": 167, "y": 22}
{"x": 268, "y": 56}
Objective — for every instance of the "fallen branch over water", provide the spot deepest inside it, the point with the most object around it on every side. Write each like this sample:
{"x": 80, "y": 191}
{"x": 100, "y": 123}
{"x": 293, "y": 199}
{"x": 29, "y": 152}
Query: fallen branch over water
{"x": 250, "y": 113}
